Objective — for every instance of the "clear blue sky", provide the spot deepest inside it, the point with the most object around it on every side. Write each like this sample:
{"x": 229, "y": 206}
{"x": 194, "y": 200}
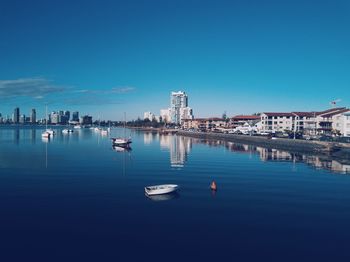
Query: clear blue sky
{"x": 107, "y": 57}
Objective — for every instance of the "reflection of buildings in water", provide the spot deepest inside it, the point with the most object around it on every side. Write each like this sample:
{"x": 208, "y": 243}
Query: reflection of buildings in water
{"x": 279, "y": 155}
{"x": 179, "y": 147}
{"x": 33, "y": 135}
{"x": 321, "y": 163}
{"x": 273, "y": 154}
{"x": 16, "y": 135}
{"x": 148, "y": 137}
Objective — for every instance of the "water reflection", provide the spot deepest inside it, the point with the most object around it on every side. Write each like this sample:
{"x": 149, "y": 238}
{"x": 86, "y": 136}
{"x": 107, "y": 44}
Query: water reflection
{"x": 178, "y": 146}
{"x": 266, "y": 154}
{"x": 163, "y": 197}
{"x": 122, "y": 149}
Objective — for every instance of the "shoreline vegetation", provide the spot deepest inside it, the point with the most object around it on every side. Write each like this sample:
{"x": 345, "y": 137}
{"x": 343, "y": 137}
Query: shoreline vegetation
{"x": 340, "y": 151}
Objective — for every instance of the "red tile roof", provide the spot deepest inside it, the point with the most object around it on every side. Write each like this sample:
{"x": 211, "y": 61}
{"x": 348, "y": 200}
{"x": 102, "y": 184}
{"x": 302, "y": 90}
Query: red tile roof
{"x": 305, "y": 114}
{"x": 336, "y": 113}
{"x": 246, "y": 117}
{"x": 209, "y": 118}
{"x": 278, "y": 114}
{"x": 330, "y": 110}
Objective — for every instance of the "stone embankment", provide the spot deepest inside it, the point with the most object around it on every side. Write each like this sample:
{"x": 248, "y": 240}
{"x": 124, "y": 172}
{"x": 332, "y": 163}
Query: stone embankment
{"x": 337, "y": 150}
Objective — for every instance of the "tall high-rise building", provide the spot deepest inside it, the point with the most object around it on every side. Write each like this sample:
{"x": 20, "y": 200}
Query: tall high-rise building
{"x": 22, "y": 119}
{"x": 75, "y": 116}
{"x": 179, "y": 109}
{"x": 33, "y": 116}
{"x": 54, "y": 118}
{"x": 86, "y": 120}
{"x": 67, "y": 115}
{"x": 16, "y": 115}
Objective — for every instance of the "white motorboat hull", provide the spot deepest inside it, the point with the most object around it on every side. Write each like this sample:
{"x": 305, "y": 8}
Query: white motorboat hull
{"x": 50, "y": 131}
{"x": 121, "y": 142}
{"x": 160, "y": 189}
{"x": 45, "y": 135}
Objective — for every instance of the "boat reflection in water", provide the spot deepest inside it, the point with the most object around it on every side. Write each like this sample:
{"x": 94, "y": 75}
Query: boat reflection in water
{"x": 122, "y": 148}
{"x": 163, "y": 197}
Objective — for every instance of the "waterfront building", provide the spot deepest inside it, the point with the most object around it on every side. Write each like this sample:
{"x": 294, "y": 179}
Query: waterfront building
{"x": 15, "y": 117}
{"x": 22, "y": 119}
{"x": 179, "y": 109}
{"x": 75, "y": 116}
{"x": 205, "y": 123}
{"x": 241, "y": 120}
{"x": 329, "y": 121}
{"x": 186, "y": 113}
{"x": 33, "y": 116}
{"x": 325, "y": 122}
{"x": 54, "y": 118}
{"x": 67, "y": 116}
{"x": 346, "y": 124}
{"x": 165, "y": 114}
{"x": 272, "y": 122}
{"x": 148, "y": 115}
{"x": 86, "y": 120}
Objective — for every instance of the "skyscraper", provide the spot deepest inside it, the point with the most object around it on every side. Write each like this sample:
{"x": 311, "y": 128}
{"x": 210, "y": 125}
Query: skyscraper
{"x": 179, "y": 109}
{"x": 33, "y": 116}
{"x": 75, "y": 116}
{"x": 67, "y": 115}
{"x": 16, "y": 115}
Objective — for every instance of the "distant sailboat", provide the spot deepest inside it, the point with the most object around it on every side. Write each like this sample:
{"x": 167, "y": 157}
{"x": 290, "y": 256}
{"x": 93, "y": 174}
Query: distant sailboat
{"x": 122, "y": 141}
{"x": 46, "y": 134}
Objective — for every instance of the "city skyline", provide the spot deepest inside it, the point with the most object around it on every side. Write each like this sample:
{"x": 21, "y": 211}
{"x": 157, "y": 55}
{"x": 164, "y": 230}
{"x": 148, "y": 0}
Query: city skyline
{"x": 116, "y": 57}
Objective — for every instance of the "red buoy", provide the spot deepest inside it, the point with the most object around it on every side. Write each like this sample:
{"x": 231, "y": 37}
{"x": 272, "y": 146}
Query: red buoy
{"x": 213, "y": 185}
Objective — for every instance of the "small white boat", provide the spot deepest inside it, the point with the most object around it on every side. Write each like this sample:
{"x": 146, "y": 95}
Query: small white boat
{"x": 66, "y": 131}
{"x": 45, "y": 134}
{"x": 104, "y": 132}
{"x": 77, "y": 127}
{"x": 121, "y": 141}
{"x": 160, "y": 189}
{"x": 50, "y": 131}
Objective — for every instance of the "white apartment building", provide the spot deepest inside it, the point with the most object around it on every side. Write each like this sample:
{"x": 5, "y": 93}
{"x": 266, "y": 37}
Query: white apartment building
{"x": 165, "y": 114}
{"x": 346, "y": 124}
{"x": 331, "y": 121}
{"x": 273, "y": 122}
{"x": 186, "y": 113}
{"x": 179, "y": 109}
{"x": 325, "y": 122}
{"x": 148, "y": 115}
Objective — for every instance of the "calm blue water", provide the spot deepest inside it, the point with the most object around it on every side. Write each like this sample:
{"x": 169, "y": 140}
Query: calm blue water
{"x": 75, "y": 198}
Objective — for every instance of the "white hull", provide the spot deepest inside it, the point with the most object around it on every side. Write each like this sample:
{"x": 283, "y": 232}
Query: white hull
{"x": 77, "y": 127}
{"x": 66, "y": 131}
{"x": 45, "y": 135}
{"x": 50, "y": 131}
{"x": 121, "y": 141}
{"x": 160, "y": 189}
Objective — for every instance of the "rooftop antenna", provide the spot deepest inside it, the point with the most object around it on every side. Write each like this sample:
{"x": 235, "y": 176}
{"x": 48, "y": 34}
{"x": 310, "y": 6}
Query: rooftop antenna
{"x": 334, "y": 102}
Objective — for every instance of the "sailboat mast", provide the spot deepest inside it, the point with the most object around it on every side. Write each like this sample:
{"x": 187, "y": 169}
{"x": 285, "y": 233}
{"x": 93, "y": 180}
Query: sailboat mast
{"x": 124, "y": 125}
{"x": 46, "y": 116}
